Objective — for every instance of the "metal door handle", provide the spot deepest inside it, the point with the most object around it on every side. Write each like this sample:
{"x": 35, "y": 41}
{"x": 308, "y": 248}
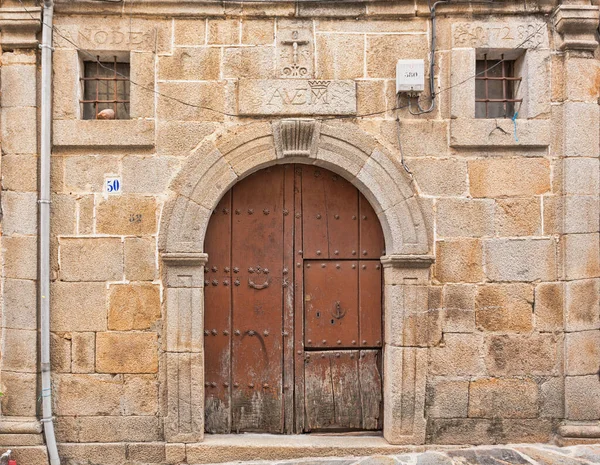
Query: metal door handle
{"x": 337, "y": 310}
{"x": 258, "y": 286}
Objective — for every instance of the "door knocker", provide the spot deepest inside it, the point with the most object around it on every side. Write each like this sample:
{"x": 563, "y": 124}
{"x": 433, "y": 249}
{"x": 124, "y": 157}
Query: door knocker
{"x": 258, "y": 287}
{"x": 337, "y": 312}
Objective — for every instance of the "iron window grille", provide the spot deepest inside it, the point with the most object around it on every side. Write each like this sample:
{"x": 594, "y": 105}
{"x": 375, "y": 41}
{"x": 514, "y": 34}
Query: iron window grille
{"x": 495, "y": 88}
{"x": 105, "y": 86}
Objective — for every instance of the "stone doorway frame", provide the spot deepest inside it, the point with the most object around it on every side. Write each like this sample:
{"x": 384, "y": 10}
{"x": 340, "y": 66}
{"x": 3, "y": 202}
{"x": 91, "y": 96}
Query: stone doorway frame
{"x": 210, "y": 171}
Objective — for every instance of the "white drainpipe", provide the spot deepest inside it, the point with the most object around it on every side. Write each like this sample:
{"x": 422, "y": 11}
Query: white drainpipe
{"x": 44, "y": 203}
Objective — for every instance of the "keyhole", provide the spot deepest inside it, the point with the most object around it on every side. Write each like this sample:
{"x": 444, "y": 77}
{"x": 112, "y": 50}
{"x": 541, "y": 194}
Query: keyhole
{"x": 318, "y": 314}
{"x": 332, "y": 321}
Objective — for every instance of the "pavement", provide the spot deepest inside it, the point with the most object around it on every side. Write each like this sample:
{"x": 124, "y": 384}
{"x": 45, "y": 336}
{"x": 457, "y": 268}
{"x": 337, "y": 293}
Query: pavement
{"x": 525, "y": 454}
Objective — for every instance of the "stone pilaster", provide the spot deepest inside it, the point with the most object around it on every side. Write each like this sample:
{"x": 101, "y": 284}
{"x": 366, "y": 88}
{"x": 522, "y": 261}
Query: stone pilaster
{"x": 184, "y": 346}
{"x": 18, "y": 121}
{"x": 579, "y": 265}
{"x": 410, "y": 329}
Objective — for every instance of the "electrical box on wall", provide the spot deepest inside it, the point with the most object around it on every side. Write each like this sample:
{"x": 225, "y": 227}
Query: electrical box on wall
{"x": 410, "y": 76}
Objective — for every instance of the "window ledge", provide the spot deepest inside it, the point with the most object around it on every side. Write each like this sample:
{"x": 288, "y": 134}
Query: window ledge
{"x": 467, "y": 132}
{"x": 98, "y": 133}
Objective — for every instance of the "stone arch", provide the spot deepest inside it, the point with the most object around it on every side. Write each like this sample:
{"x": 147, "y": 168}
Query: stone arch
{"x": 215, "y": 165}
{"x": 210, "y": 171}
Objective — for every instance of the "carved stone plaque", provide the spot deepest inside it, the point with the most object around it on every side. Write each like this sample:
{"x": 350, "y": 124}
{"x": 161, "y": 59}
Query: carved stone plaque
{"x": 500, "y": 35}
{"x": 113, "y": 33}
{"x": 296, "y": 97}
{"x": 295, "y": 49}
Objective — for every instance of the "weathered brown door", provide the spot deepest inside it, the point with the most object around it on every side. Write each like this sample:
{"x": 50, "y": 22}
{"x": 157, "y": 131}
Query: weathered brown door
{"x": 293, "y": 322}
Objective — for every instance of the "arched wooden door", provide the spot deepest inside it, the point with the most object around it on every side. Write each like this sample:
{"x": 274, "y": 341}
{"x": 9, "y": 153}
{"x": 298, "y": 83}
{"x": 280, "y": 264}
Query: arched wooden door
{"x": 293, "y": 306}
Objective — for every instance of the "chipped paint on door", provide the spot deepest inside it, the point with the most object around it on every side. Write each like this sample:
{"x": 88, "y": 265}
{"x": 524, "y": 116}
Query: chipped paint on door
{"x": 293, "y": 324}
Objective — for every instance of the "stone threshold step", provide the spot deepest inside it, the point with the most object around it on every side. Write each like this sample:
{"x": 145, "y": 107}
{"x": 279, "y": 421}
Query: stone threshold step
{"x": 219, "y": 448}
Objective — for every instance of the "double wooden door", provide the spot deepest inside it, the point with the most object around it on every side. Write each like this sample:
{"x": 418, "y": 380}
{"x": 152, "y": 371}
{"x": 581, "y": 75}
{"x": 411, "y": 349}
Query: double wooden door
{"x": 293, "y": 306}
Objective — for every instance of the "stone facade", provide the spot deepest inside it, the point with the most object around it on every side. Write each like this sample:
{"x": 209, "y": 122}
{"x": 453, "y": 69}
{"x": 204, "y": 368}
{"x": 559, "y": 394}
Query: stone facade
{"x": 492, "y": 268}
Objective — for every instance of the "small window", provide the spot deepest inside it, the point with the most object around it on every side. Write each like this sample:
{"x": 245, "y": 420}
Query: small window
{"x": 105, "y": 87}
{"x": 495, "y": 88}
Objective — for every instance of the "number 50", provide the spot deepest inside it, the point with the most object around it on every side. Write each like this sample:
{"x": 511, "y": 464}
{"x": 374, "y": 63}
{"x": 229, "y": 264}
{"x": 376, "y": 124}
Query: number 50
{"x": 113, "y": 185}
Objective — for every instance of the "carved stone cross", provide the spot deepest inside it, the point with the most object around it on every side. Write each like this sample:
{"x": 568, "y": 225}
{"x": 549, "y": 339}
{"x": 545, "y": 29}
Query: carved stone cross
{"x": 295, "y": 69}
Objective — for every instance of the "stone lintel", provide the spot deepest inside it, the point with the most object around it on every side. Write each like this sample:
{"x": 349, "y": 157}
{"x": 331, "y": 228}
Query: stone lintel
{"x": 407, "y": 261}
{"x": 185, "y": 258}
{"x": 296, "y": 97}
{"x": 19, "y": 28}
{"x": 576, "y": 25}
{"x": 20, "y": 425}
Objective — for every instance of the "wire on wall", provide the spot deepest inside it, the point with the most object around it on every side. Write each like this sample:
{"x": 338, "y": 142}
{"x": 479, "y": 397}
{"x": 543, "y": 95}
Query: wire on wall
{"x": 402, "y": 161}
{"x": 396, "y": 107}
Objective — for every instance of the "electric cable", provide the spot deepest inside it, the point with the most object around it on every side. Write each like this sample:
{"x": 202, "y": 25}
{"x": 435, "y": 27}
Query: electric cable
{"x": 336, "y": 117}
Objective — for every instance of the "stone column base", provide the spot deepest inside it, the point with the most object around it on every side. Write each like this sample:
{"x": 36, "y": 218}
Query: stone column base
{"x": 570, "y": 433}
{"x": 23, "y": 435}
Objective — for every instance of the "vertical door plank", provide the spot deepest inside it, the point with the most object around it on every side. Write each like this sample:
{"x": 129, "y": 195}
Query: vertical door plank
{"x": 288, "y": 298}
{"x": 330, "y": 215}
{"x": 370, "y": 303}
{"x": 298, "y": 304}
{"x": 342, "y": 216}
{"x": 217, "y": 323}
{"x": 346, "y": 389}
{"x": 372, "y": 244}
{"x": 369, "y": 369}
{"x": 314, "y": 225}
{"x": 333, "y": 399}
{"x": 331, "y": 303}
{"x": 320, "y": 403}
{"x": 257, "y": 346}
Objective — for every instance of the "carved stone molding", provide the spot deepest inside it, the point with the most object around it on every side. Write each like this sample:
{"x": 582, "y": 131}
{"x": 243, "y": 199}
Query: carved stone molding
{"x": 19, "y": 28}
{"x": 342, "y": 148}
{"x": 576, "y": 26}
{"x": 583, "y": 430}
{"x": 185, "y": 259}
{"x": 20, "y": 425}
{"x": 407, "y": 261}
{"x": 296, "y": 138}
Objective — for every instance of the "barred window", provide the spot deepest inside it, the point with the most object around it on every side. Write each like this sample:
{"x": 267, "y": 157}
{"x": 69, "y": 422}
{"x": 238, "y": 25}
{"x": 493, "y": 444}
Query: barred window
{"x": 495, "y": 88}
{"x": 105, "y": 90}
